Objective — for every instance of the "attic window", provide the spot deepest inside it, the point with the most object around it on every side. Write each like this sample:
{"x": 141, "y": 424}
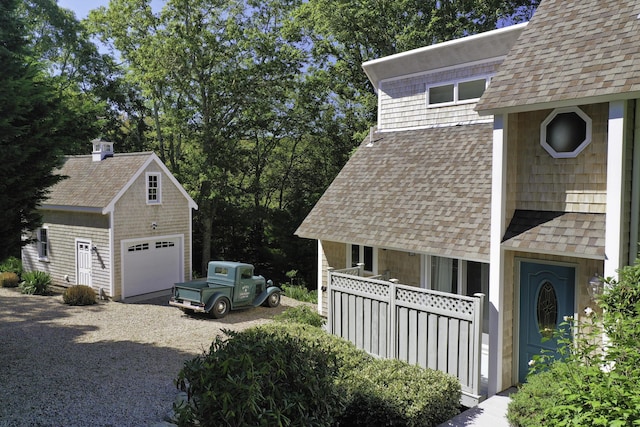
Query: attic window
{"x": 455, "y": 93}
{"x": 154, "y": 194}
{"x": 565, "y": 132}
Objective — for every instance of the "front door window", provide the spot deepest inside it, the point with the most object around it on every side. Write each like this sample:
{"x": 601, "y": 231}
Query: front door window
{"x": 547, "y": 310}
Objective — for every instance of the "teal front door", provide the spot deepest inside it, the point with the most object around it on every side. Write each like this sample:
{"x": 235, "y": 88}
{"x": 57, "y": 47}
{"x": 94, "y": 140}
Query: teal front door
{"x": 546, "y": 297}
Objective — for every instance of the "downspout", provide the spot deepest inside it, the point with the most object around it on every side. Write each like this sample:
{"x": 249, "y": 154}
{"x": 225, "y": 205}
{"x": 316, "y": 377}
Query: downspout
{"x": 635, "y": 188}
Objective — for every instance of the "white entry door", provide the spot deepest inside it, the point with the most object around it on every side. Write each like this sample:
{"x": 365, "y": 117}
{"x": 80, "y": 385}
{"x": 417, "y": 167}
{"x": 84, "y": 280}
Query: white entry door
{"x": 83, "y": 263}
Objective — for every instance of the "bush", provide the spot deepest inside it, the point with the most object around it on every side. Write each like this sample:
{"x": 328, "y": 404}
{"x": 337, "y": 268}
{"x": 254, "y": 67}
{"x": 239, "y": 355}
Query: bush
{"x": 394, "y": 393}
{"x": 9, "y": 279}
{"x": 260, "y": 378}
{"x": 300, "y": 293}
{"x": 12, "y": 265}
{"x": 301, "y": 314}
{"x": 296, "y": 374}
{"x": 79, "y": 295}
{"x": 35, "y": 283}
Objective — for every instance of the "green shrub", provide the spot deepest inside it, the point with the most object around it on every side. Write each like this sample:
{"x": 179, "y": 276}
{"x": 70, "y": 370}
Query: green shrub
{"x": 35, "y": 283}
{"x": 394, "y": 393}
{"x": 79, "y": 295}
{"x": 296, "y": 374}
{"x": 12, "y": 265}
{"x": 301, "y": 314}
{"x": 300, "y": 293}
{"x": 260, "y": 377}
{"x": 9, "y": 279}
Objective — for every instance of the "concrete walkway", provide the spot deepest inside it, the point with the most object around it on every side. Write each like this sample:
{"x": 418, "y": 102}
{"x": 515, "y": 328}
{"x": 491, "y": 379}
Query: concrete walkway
{"x": 490, "y": 413}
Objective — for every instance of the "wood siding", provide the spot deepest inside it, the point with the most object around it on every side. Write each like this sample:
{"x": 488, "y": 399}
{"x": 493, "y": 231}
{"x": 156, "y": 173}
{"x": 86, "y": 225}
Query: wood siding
{"x": 400, "y": 265}
{"x": 545, "y": 183}
{"x": 64, "y": 229}
{"x": 133, "y": 218}
{"x": 403, "y": 102}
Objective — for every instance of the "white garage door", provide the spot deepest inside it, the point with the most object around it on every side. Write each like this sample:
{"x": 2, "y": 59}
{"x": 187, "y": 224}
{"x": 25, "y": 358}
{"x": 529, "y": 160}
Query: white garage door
{"x": 151, "y": 265}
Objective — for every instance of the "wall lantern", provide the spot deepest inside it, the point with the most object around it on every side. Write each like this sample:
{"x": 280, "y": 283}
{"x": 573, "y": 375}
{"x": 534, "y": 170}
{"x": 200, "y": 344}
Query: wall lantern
{"x": 595, "y": 287}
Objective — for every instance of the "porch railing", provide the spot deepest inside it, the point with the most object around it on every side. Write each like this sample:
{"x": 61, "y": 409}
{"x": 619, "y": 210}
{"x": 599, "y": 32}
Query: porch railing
{"x": 432, "y": 329}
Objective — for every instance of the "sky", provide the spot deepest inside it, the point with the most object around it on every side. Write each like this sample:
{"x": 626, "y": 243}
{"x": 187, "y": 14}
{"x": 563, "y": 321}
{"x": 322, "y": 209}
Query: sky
{"x": 82, "y": 7}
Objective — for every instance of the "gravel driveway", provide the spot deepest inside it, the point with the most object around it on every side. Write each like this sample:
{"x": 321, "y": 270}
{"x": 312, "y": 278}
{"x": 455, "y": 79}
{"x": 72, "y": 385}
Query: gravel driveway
{"x": 111, "y": 364}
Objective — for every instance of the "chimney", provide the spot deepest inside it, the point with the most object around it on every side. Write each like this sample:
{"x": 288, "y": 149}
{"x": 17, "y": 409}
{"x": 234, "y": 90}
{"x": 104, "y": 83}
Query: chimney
{"x": 101, "y": 149}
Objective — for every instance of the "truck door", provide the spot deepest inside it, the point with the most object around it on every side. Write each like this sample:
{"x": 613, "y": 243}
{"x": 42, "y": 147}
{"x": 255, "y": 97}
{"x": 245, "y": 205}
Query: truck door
{"x": 245, "y": 288}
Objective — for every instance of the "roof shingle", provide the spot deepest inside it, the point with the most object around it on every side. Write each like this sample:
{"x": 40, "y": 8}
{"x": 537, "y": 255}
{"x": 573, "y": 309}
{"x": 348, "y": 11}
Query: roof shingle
{"x": 425, "y": 191}
{"x": 580, "y": 234}
{"x": 92, "y": 184}
{"x": 572, "y": 52}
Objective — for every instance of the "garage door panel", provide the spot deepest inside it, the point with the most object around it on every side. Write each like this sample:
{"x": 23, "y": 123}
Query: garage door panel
{"x": 151, "y": 266}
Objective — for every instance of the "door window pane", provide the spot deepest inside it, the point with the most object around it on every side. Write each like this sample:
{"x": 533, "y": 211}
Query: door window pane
{"x": 547, "y": 309}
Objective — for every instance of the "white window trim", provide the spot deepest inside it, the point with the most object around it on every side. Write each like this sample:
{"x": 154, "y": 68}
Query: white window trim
{"x": 158, "y": 200}
{"x": 374, "y": 262}
{"x": 543, "y": 133}
{"x": 455, "y": 83}
{"x": 39, "y": 243}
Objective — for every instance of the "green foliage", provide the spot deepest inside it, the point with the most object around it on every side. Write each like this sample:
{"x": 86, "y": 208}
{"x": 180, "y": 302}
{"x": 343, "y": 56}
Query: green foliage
{"x": 9, "y": 279}
{"x": 252, "y": 378}
{"x": 393, "y": 393}
{"x": 300, "y": 293}
{"x": 301, "y": 314}
{"x": 260, "y": 378}
{"x": 12, "y": 264}
{"x": 35, "y": 283}
{"x": 79, "y": 295}
{"x": 590, "y": 386}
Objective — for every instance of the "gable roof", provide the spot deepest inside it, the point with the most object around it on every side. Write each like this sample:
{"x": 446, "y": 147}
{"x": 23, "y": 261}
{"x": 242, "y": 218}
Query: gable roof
{"x": 97, "y": 186}
{"x": 426, "y": 191}
{"x": 571, "y": 53}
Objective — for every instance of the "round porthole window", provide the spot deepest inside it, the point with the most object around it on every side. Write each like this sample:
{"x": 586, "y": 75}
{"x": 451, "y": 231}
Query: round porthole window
{"x": 565, "y": 132}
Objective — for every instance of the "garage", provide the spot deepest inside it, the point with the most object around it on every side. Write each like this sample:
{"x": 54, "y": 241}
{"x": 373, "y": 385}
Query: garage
{"x": 151, "y": 265}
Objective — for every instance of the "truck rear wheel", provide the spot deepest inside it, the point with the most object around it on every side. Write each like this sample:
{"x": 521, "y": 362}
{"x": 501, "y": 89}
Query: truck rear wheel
{"x": 220, "y": 308}
{"x": 273, "y": 300}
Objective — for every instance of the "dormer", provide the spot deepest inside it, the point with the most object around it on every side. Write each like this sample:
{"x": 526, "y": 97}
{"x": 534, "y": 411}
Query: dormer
{"x": 438, "y": 85}
{"x": 101, "y": 150}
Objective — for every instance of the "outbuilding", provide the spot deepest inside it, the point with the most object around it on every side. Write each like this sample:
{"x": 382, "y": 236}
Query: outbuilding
{"x": 120, "y": 223}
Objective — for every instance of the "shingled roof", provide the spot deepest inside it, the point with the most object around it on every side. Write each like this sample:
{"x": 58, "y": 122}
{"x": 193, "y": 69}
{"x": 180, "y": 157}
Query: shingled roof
{"x": 426, "y": 191}
{"x": 95, "y": 185}
{"x": 581, "y": 234}
{"x": 572, "y": 52}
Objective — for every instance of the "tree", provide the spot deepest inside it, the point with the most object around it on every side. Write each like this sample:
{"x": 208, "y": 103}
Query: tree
{"x": 89, "y": 83}
{"x": 345, "y": 34}
{"x": 30, "y": 137}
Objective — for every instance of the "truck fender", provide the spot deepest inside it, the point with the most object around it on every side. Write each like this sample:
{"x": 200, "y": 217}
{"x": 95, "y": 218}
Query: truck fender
{"x": 260, "y": 299}
{"x": 212, "y": 300}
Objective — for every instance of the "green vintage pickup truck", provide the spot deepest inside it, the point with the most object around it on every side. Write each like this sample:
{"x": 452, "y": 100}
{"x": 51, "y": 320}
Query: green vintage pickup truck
{"x": 228, "y": 286}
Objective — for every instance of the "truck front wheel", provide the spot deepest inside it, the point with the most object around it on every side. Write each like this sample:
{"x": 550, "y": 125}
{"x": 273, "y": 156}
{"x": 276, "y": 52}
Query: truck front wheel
{"x": 220, "y": 308}
{"x": 273, "y": 300}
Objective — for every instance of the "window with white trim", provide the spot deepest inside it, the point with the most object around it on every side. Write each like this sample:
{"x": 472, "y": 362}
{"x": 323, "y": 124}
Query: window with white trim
{"x": 565, "y": 132}
{"x": 362, "y": 254}
{"x": 154, "y": 193}
{"x": 43, "y": 243}
{"x": 456, "y": 92}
